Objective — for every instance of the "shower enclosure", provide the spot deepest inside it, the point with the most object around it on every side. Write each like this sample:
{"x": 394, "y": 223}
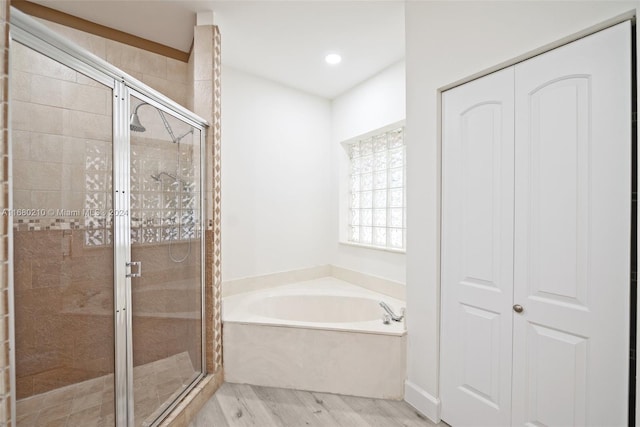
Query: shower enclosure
{"x": 107, "y": 239}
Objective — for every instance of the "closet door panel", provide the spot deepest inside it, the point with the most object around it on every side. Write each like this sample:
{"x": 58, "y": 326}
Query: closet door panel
{"x": 572, "y": 232}
{"x": 477, "y": 251}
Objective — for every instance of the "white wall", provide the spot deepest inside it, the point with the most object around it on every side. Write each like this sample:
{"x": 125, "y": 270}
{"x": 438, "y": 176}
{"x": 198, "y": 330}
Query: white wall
{"x": 373, "y": 104}
{"x": 276, "y": 177}
{"x": 446, "y": 42}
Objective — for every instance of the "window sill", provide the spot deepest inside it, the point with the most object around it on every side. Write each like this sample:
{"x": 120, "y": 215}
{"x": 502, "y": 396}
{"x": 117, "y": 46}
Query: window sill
{"x": 377, "y": 248}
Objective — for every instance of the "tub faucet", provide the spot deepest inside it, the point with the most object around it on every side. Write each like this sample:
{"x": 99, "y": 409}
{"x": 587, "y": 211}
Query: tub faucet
{"x": 388, "y": 309}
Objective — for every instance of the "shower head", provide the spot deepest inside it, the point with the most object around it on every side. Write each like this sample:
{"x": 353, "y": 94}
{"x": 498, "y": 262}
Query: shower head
{"x": 134, "y": 123}
{"x": 136, "y": 126}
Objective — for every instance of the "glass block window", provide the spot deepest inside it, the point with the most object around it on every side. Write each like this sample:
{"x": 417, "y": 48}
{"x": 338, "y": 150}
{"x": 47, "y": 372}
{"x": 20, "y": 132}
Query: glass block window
{"x": 377, "y": 190}
{"x": 164, "y": 205}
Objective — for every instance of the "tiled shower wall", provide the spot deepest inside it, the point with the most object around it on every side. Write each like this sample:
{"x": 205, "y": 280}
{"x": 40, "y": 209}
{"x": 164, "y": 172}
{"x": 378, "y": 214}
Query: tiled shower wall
{"x": 206, "y": 67}
{"x": 166, "y": 75}
{"x": 5, "y": 388}
{"x": 61, "y": 136}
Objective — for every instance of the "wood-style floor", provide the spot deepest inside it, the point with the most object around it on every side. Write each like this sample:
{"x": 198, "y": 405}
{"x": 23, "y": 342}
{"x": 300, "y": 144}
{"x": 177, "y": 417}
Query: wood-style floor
{"x": 245, "y": 405}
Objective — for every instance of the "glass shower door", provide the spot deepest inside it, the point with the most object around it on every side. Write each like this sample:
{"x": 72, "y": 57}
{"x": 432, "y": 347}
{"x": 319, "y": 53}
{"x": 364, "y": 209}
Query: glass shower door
{"x": 63, "y": 256}
{"x": 166, "y": 239}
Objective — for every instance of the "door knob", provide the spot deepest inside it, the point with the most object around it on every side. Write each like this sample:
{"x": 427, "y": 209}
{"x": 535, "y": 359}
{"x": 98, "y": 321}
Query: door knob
{"x": 518, "y": 308}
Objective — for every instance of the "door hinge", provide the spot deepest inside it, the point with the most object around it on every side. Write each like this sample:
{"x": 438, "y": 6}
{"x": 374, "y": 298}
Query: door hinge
{"x": 137, "y": 264}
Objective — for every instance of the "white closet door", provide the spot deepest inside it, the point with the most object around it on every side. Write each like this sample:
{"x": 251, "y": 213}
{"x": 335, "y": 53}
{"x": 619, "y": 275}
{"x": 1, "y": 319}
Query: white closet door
{"x": 477, "y": 252}
{"x": 572, "y": 232}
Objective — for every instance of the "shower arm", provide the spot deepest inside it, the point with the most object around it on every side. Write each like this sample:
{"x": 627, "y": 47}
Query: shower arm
{"x": 165, "y": 122}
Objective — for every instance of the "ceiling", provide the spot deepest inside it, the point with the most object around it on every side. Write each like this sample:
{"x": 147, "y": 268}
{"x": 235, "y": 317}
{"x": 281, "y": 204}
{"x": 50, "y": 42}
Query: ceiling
{"x": 284, "y": 41}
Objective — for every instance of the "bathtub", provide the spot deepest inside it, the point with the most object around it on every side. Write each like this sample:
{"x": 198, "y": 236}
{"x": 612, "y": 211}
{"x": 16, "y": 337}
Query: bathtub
{"x": 322, "y": 335}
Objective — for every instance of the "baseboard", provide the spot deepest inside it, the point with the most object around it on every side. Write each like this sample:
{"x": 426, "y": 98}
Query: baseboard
{"x": 423, "y": 402}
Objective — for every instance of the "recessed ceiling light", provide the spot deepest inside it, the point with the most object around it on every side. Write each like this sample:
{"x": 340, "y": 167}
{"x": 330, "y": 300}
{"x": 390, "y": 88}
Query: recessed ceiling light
{"x": 333, "y": 59}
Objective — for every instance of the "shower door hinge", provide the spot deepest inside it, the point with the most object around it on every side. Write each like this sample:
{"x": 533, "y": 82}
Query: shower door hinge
{"x": 137, "y": 264}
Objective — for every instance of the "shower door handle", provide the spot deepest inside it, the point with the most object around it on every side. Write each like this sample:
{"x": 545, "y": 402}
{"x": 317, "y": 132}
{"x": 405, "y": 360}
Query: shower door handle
{"x": 137, "y": 264}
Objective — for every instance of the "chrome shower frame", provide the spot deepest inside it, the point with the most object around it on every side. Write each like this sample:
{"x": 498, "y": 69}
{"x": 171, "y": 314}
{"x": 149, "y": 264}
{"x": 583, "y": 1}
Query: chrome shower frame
{"x": 31, "y": 33}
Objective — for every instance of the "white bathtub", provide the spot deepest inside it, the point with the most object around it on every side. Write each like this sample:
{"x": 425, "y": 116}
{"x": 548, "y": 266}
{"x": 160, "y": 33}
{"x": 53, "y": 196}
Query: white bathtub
{"x": 320, "y": 335}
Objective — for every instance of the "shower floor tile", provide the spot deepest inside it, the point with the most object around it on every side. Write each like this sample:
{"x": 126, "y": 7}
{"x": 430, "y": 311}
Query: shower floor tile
{"x": 91, "y": 403}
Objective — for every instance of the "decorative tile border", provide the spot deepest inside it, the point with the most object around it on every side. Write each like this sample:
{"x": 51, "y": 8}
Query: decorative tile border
{"x": 39, "y": 224}
{"x": 99, "y": 232}
{"x": 217, "y": 205}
